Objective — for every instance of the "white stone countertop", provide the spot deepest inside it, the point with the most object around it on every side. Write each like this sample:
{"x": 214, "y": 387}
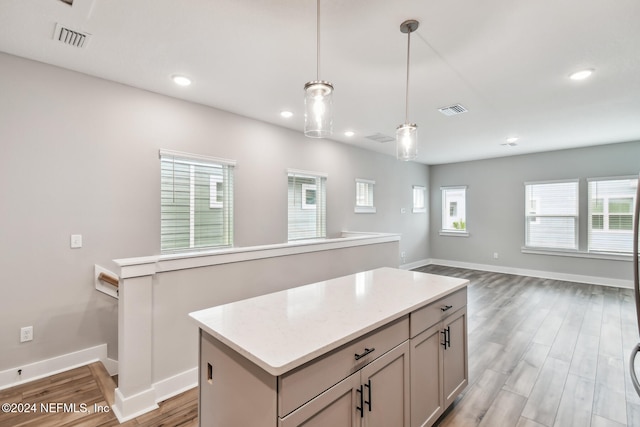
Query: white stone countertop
{"x": 284, "y": 330}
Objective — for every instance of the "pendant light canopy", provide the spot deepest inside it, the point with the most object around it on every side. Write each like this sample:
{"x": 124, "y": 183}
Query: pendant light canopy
{"x": 407, "y": 133}
{"x": 318, "y": 98}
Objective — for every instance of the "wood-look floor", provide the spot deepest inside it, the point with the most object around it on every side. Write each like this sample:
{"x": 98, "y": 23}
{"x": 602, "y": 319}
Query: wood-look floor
{"x": 542, "y": 353}
{"x": 546, "y": 353}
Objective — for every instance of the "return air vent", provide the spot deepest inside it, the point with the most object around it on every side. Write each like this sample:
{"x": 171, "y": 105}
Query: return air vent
{"x": 452, "y": 110}
{"x": 381, "y": 138}
{"x": 71, "y": 37}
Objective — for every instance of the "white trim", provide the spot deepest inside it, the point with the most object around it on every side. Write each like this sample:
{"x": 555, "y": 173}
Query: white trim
{"x": 364, "y": 209}
{"x": 454, "y": 187}
{"x": 195, "y": 157}
{"x": 179, "y": 383}
{"x": 147, "y": 266}
{"x": 366, "y": 181}
{"x": 592, "y": 280}
{"x": 126, "y": 409}
{"x": 613, "y": 178}
{"x": 306, "y": 174}
{"x": 44, "y": 368}
{"x": 452, "y": 233}
{"x": 579, "y": 254}
{"x": 553, "y": 181}
{"x": 415, "y": 264}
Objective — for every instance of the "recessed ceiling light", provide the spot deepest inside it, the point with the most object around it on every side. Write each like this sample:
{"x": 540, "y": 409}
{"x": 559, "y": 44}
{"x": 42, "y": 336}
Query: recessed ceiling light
{"x": 349, "y": 133}
{"x": 512, "y": 139}
{"x": 286, "y": 114}
{"x": 181, "y": 80}
{"x": 581, "y": 75}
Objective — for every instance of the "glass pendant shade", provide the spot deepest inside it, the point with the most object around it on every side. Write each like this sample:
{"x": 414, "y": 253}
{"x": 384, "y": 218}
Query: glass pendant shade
{"x": 318, "y": 109}
{"x": 407, "y": 142}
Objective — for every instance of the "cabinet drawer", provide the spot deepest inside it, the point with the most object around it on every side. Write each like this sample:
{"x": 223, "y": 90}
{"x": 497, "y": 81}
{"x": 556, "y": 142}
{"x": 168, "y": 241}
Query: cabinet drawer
{"x": 424, "y": 318}
{"x": 306, "y": 382}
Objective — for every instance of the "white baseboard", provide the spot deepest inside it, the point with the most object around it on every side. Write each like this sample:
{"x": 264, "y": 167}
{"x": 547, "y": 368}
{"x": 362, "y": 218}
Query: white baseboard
{"x": 55, "y": 365}
{"x": 176, "y": 384}
{"x": 592, "y": 280}
{"x": 415, "y": 264}
{"x": 129, "y": 407}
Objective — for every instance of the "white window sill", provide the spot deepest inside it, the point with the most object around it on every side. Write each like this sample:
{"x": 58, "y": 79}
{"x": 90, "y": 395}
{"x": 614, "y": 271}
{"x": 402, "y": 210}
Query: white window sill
{"x": 364, "y": 209}
{"x": 454, "y": 233}
{"x": 578, "y": 254}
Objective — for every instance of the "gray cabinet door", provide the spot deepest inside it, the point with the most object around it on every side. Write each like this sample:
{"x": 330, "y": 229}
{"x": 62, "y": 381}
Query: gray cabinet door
{"x": 335, "y": 407}
{"x": 386, "y": 388}
{"x": 427, "y": 402}
{"x": 456, "y": 374}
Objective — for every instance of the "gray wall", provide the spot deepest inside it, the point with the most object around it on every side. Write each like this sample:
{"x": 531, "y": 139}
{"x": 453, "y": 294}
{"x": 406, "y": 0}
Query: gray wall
{"x": 79, "y": 155}
{"x": 495, "y": 206}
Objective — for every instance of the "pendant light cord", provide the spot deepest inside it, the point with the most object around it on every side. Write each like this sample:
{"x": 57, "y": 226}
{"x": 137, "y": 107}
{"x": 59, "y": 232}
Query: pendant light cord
{"x": 318, "y": 40}
{"x": 406, "y": 106}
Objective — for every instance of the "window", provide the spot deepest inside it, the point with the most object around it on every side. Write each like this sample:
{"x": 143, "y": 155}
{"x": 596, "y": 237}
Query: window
{"x": 454, "y": 209}
{"x": 307, "y": 205}
{"x": 551, "y": 215}
{"x": 364, "y": 196}
{"x": 419, "y": 204}
{"x": 196, "y": 202}
{"x": 611, "y": 204}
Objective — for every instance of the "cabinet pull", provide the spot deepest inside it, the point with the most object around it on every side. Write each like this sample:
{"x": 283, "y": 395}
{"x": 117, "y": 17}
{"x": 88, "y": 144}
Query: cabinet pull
{"x": 448, "y": 337}
{"x": 366, "y": 351}
{"x": 368, "y": 402}
{"x": 361, "y": 407}
{"x": 446, "y": 307}
{"x": 444, "y": 339}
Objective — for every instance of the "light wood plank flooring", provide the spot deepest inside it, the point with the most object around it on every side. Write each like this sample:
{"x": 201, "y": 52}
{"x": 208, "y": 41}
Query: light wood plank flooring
{"x": 542, "y": 353}
{"x": 546, "y": 353}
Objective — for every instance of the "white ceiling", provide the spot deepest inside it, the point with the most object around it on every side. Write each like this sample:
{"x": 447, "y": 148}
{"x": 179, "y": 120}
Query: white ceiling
{"x": 506, "y": 61}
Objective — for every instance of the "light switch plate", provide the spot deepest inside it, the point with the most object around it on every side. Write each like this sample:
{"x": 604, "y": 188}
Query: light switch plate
{"x": 76, "y": 241}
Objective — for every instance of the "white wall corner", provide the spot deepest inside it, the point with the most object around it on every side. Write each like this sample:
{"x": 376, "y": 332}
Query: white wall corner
{"x": 127, "y": 408}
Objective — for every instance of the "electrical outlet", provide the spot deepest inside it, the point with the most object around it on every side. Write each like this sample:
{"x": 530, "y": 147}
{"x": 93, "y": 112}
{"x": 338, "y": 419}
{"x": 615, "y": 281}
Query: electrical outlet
{"x": 76, "y": 241}
{"x": 26, "y": 334}
{"x": 495, "y": 255}
{"x": 403, "y": 254}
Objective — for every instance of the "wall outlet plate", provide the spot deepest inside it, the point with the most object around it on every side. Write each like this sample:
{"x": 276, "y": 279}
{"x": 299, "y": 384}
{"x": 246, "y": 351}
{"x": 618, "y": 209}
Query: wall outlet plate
{"x": 76, "y": 241}
{"x": 26, "y": 334}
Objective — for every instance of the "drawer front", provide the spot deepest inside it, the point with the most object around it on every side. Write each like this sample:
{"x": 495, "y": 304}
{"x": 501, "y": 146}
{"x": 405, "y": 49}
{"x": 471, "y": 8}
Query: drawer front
{"x": 299, "y": 386}
{"x": 422, "y": 319}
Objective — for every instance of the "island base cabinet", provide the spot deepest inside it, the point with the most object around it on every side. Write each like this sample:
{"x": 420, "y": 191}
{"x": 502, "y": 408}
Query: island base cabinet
{"x": 439, "y": 368}
{"x": 233, "y": 390}
{"x": 375, "y": 396}
{"x": 455, "y": 361}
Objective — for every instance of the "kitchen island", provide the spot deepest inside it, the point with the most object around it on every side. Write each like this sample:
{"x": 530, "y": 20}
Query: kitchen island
{"x": 382, "y": 347}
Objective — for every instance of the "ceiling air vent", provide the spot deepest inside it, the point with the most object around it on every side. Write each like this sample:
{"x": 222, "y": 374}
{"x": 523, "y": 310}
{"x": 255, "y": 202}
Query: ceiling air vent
{"x": 71, "y": 37}
{"x": 452, "y": 110}
{"x": 381, "y": 138}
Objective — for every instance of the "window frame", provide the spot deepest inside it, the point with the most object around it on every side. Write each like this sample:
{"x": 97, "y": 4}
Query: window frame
{"x": 538, "y": 202}
{"x": 445, "y": 212}
{"x": 194, "y": 161}
{"x": 320, "y": 186}
{"x": 417, "y": 207}
{"x": 606, "y": 214}
{"x": 364, "y": 191}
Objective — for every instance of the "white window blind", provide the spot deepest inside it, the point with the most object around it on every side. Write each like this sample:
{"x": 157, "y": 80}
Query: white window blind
{"x": 551, "y": 215}
{"x": 419, "y": 204}
{"x": 306, "y": 205}
{"x": 454, "y": 209}
{"x": 364, "y": 196}
{"x": 196, "y": 202}
{"x": 611, "y": 206}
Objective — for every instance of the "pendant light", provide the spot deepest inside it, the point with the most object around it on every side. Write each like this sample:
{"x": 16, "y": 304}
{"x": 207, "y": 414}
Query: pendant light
{"x": 407, "y": 133}
{"x": 318, "y": 113}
